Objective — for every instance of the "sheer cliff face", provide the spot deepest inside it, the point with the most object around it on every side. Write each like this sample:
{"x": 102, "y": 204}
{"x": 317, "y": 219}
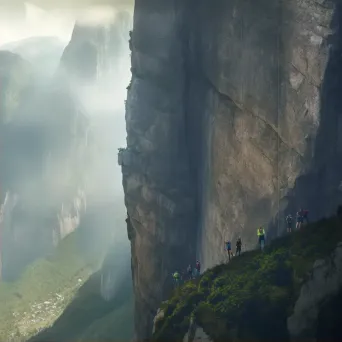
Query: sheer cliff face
{"x": 157, "y": 182}
{"x": 235, "y": 108}
{"x": 258, "y": 84}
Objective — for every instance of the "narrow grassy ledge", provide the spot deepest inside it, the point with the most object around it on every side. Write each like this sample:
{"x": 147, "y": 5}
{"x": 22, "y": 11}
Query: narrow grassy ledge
{"x": 251, "y": 297}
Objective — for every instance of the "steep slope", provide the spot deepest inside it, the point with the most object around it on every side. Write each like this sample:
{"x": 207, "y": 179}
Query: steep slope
{"x": 282, "y": 293}
{"x": 45, "y": 288}
{"x": 77, "y": 289}
{"x": 90, "y": 317}
{"x": 232, "y": 109}
{"x": 102, "y": 309}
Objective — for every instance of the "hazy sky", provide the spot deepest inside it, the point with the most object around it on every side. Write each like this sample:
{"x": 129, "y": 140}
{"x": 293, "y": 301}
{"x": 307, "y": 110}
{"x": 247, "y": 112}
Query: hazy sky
{"x": 19, "y": 19}
{"x": 67, "y": 3}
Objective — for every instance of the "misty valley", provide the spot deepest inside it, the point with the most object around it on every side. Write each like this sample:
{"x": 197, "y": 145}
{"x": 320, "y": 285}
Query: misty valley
{"x": 64, "y": 247}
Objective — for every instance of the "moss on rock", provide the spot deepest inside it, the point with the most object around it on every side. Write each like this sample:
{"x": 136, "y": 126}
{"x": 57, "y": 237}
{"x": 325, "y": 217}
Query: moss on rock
{"x": 251, "y": 297}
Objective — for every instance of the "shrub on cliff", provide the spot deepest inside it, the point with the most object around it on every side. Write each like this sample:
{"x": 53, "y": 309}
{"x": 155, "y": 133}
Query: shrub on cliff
{"x": 251, "y": 297}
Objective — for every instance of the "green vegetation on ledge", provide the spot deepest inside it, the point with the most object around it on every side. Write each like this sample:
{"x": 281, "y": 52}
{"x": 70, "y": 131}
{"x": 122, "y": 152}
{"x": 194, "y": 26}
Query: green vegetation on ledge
{"x": 251, "y": 297}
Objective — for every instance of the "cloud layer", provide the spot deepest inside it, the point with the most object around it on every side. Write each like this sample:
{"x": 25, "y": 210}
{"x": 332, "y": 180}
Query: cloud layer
{"x": 19, "y": 20}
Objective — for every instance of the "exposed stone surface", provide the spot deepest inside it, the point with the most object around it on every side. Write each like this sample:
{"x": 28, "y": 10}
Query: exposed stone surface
{"x": 195, "y": 334}
{"x": 260, "y": 117}
{"x": 325, "y": 282}
{"x": 160, "y": 186}
{"x": 235, "y": 108}
{"x": 160, "y": 314}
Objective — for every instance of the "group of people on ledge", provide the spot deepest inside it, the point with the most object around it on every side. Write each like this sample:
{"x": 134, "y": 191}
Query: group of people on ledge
{"x": 301, "y": 217}
{"x": 238, "y": 247}
{"x": 261, "y": 239}
{"x": 191, "y": 273}
{"x": 194, "y": 272}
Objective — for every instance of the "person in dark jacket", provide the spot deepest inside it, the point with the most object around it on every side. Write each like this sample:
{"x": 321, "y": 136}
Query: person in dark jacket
{"x": 289, "y": 221}
{"x": 198, "y": 267}
{"x": 299, "y": 219}
{"x": 238, "y": 246}
{"x": 189, "y": 272}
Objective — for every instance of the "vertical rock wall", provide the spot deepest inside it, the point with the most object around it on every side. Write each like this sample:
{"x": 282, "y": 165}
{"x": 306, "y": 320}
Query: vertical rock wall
{"x": 233, "y": 108}
{"x": 157, "y": 181}
{"x": 261, "y": 67}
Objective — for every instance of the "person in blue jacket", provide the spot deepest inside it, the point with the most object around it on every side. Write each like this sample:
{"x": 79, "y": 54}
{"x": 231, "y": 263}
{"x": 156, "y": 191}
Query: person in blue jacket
{"x": 229, "y": 248}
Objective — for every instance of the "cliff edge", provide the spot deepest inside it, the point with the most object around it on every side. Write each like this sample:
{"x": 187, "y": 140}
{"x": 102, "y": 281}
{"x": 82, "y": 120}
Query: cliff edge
{"x": 291, "y": 291}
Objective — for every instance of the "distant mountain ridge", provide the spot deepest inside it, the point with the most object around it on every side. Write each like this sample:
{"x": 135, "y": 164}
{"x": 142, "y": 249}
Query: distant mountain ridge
{"x": 43, "y": 53}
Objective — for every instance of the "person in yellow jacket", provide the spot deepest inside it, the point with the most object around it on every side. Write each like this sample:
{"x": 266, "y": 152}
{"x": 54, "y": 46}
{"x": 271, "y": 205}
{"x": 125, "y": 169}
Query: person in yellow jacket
{"x": 261, "y": 237}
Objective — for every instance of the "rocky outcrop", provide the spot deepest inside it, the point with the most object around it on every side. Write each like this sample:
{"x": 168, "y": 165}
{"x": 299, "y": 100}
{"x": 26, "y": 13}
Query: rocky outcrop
{"x": 325, "y": 283}
{"x": 196, "y": 334}
{"x": 232, "y": 108}
{"x": 160, "y": 315}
